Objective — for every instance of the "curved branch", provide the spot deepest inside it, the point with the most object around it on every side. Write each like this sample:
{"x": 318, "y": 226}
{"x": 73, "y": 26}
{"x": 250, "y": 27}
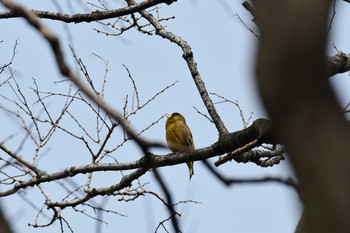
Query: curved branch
{"x": 192, "y": 65}
{"x": 88, "y": 17}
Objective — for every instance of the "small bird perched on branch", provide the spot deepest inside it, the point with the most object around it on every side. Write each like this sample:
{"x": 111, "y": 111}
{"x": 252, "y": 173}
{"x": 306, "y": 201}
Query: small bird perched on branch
{"x": 179, "y": 136}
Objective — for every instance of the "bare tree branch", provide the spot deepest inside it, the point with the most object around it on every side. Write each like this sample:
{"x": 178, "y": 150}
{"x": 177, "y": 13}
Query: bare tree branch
{"x": 227, "y": 143}
{"x": 87, "y": 17}
{"x": 21, "y": 161}
{"x": 242, "y": 146}
{"x": 337, "y": 64}
{"x": 192, "y": 65}
{"x": 292, "y": 77}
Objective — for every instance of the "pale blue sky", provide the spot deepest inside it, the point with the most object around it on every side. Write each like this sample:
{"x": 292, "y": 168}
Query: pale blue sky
{"x": 224, "y": 51}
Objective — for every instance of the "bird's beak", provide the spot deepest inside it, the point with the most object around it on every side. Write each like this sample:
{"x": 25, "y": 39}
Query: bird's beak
{"x": 168, "y": 115}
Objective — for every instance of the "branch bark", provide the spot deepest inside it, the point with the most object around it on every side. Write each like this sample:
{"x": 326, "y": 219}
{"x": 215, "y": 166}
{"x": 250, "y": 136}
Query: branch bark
{"x": 91, "y": 16}
{"x": 292, "y": 77}
{"x": 192, "y": 66}
{"x": 260, "y": 130}
{"x": 337, "y": 64}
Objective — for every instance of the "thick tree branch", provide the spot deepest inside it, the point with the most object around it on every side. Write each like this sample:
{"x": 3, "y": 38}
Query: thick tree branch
{"x": 88, "y": 17}
{"x": 337, "y": 64}
{"x": 292, "y": 76}
{"x": 272, "y": 157}
{"x": 260, "y": 130}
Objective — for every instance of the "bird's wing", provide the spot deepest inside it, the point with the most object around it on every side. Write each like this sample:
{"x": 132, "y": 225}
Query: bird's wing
{"x": 188, "y": 137}
{"x": 190, "y": 142}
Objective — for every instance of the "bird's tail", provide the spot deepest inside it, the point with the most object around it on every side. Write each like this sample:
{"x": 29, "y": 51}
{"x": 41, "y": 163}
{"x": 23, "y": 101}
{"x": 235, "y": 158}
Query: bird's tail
{"x": 190, "y": 169}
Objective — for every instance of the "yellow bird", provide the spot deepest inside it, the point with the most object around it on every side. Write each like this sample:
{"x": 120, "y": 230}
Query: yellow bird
{"x": 179, "y": 136}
